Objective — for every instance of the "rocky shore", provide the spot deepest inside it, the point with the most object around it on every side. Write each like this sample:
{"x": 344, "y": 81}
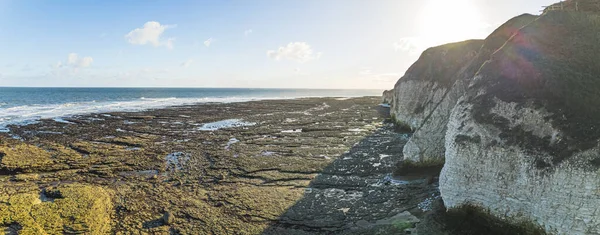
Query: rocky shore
{"x": 317, "y": 165}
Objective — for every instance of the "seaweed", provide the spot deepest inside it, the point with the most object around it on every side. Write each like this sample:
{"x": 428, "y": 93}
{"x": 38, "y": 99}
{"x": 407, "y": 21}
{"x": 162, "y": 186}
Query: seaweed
{"x": 474, "y": 220}
{"x": 81, "y": 209}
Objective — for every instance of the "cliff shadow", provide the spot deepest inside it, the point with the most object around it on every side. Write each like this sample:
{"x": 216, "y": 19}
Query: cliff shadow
{"x": 357, "y": 193}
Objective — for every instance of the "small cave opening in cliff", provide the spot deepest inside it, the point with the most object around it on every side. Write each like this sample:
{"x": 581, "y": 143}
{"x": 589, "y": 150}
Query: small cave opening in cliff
{"x": 408, "y": 171}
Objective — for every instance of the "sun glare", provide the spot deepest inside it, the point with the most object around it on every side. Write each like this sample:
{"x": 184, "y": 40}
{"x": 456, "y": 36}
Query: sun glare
{"x": 443, "y": 21}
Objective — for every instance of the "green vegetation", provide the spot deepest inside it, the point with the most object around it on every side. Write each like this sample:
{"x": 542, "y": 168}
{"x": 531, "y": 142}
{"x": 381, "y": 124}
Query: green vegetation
{"x": 427, "y": 167}
{"x": 579, "y": 5}
{"x": 472, "y": 220}
{"x": 400, "y": 126}
{"x": 76, "y": 209}
{"x": 443, "y": 63}
{"x": 402, "y": 225}
{"x": 23, "y": 156}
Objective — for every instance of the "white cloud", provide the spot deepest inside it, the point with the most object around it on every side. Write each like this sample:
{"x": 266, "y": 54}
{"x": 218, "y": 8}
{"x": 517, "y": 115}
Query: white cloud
{"x": 150, "y": 33}
{"x": 208, "y": 42}
{"x": 27, "y": 68}
{"x": 187, "y": 63}
{"x": 169, "y": 43}
{"x": 247, "y": 32}
{"x": 366, "y": 71}
{"x": 412, "y": 45}
{"x": 384, "y": 77}
{"x": 75, "y": 61}
{"x": 296, "y": 51}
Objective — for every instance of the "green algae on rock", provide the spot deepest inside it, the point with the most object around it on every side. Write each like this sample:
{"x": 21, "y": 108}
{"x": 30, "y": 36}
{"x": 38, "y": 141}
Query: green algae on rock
{"x": 23, "y": 157}
{"x": 76, "y": 208}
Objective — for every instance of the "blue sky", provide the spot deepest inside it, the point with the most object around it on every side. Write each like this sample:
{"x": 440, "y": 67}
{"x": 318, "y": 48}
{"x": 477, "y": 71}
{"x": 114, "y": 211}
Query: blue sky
{"x": 229, "y": 43}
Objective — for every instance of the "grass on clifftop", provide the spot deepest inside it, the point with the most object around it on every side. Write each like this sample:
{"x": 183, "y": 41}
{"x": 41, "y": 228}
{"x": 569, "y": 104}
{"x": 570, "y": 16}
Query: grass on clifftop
{"x": 441, "y": 64}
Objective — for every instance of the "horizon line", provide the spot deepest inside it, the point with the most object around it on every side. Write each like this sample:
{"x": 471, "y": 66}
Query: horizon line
{"x": 264, "y": 88}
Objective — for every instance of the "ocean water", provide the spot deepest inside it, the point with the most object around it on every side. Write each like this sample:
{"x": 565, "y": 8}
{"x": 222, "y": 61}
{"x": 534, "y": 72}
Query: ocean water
{"x": 26, "y": 105}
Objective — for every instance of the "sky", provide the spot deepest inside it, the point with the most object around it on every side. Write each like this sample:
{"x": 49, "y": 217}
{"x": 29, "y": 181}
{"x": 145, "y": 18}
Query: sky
{"x": 233, "y": 43}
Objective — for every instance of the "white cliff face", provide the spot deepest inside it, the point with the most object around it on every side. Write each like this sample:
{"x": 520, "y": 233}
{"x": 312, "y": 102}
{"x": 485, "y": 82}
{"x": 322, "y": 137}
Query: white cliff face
{"x": 483, "y": 171}
{"x": 518, "y": 126}
{"x": 427, "y": 142}
{"x": 524, "y": 142}
{"x": 417, "y": 105}
{"x": 414, "y": 100}
{"x": 387, "y": 97}
{"x": 424, "y": 97}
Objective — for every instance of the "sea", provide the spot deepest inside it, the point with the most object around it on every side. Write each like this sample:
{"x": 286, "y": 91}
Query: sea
{"x": 20, "y": 106}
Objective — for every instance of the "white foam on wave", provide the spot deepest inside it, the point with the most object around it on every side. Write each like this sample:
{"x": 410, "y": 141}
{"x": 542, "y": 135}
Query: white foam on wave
{"x": 62, "y": 121}
{"x": 28, "y": 114}
{"x": 229, "y": 123}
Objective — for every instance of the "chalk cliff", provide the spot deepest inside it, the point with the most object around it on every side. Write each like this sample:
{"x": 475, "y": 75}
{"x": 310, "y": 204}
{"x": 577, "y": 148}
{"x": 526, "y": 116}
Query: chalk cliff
{"x": 522, "y": 143}
{"x": 425, "y": 96}
{"x": 422, "y": 98}
{"x": 387, "y": 97}
{"x": 515, "y": 118}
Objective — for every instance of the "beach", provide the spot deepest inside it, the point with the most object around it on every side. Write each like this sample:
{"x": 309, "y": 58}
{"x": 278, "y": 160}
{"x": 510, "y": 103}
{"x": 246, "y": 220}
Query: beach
{"x": 295, "y": 166}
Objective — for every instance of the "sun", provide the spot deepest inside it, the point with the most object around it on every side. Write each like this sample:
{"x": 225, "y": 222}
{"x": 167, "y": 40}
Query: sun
{"x": 445, "y": 21}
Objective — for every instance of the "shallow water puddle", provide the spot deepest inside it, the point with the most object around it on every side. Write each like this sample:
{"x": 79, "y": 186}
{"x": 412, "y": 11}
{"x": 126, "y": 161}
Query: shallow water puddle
{"x": 229, "y": 123}
{"x": 402, "y": 180}
{"x": 230, "y": 142}
{"x": 292, "y": 131}
{"x": 176, "y": 160}
{"x": 147, "y": 173}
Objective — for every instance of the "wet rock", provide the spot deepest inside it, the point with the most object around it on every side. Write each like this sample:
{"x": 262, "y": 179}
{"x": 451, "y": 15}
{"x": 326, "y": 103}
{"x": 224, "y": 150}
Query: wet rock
{"x": 80, "y": 209}
{"x": 168, "y": 218}
{"x": 23, "y": 157}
